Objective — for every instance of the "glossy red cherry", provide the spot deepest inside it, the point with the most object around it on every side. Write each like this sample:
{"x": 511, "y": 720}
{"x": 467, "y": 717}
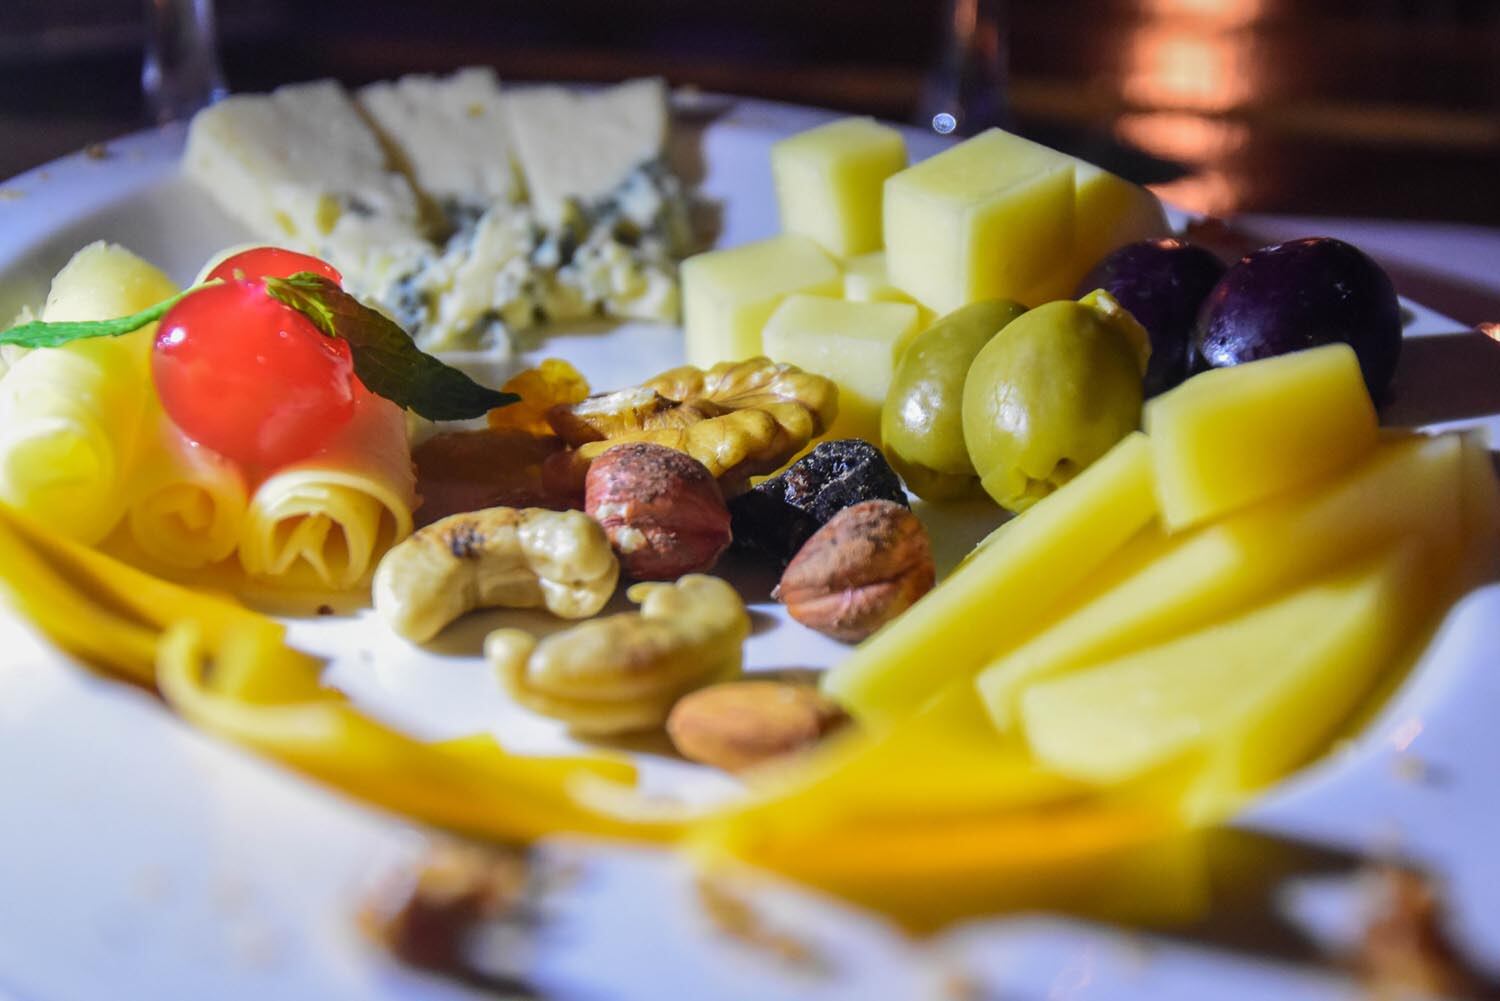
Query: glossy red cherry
{"x": 250, "y": 377}
{"x": 272, "y": 262}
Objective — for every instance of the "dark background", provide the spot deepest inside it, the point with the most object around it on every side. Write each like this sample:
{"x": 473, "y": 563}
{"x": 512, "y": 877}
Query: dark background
{"x": 1386, "y": 108}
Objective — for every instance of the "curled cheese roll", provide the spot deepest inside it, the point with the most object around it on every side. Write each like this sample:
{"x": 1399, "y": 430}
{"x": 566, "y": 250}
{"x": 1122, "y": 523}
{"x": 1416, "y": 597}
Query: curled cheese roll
{"x": 326, "y": 521}
{"x": 71, "y": 416}
{"x": 189, "y": 502}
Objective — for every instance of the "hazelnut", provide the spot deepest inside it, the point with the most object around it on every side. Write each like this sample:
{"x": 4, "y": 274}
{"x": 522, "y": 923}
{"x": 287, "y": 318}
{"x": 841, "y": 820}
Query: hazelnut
{"x": 738, "y": 724}
{"x": 661, "y": 508}
{"x": 867, "y": 565}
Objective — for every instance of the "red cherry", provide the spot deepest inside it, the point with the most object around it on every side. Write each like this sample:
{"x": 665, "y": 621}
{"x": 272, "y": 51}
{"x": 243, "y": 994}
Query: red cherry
{"x": 250, "y": 377}
{"x": 272, "y": 262}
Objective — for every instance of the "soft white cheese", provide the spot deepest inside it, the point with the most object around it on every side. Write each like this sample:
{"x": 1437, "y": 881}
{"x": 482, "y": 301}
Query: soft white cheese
{"x": 581, "y": 145}
{"x": 300, "y": 166}
{"x": 450, "y": 134}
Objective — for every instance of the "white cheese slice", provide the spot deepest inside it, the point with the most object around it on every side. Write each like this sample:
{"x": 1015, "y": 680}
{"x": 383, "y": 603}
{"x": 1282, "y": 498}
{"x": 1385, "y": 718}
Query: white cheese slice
{"x": 300, "y": 166}
{"x": 583, "y": 145}
{"x": 449, "y": 133}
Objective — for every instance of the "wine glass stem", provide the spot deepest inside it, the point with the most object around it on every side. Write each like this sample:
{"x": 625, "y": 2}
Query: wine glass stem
{"x": 181, "y": 70}
{"x": 966, "y": 91}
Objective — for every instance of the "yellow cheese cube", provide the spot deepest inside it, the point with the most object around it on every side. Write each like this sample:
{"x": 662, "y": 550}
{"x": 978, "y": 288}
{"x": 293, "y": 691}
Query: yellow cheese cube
{"x": 1230, "y": 437}
{"x": 1252, "y": 696}
{"x": 1164, "y": 586}
{"x": 867, "y": 280}
{"x": 829, "y": 182}
{"x": 728, "y": 295}
{"x": 853, "y": 343}
{"x": 1000, "y": 593}
{"x": 991, "y": 218}
{"x": 1108, "y": 212}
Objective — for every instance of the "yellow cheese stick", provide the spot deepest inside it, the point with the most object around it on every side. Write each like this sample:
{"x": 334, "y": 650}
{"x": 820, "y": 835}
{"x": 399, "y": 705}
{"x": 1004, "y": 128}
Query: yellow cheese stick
{"x": 326, "y": 521}
{"x": 70, "y": 417}
{"x": 188, "y": 502}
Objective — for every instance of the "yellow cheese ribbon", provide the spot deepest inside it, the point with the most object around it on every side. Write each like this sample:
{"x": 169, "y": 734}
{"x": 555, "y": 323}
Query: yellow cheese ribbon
{"x": 229, "y": 671}
{"x": 71, "y": 416}
{"x": 325, "y": 521}
{"x": 189, "y": 502}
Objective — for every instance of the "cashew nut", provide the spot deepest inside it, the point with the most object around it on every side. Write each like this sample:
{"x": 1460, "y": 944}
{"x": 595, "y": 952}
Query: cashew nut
{"x": 501, "y": 557}
{"x": 622, "y": 673}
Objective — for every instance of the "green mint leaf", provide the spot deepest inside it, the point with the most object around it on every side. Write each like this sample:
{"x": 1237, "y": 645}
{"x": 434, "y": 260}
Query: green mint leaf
{"x": 39, "y": 334}
{"x": 386, "y": 359}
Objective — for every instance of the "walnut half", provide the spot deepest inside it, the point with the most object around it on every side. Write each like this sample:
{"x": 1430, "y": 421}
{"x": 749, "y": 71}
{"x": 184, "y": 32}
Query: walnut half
{"x": 740, "y": 419}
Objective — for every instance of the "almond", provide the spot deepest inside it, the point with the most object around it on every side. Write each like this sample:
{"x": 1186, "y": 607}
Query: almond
{"x": 739, "y": 724}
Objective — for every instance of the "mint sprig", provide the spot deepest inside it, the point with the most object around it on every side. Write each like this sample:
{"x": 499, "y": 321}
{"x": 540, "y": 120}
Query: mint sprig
{"x": 385, "y": 357}
{"x": 40, "y": 334}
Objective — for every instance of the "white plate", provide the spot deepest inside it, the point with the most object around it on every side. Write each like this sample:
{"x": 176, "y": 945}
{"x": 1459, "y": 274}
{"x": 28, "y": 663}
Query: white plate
{"x": 140, "y": 859}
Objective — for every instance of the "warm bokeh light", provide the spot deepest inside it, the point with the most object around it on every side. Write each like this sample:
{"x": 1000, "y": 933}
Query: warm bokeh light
{"x": 1224, "y": 14}
{"x": 1211, "y": 192}
{"x": 1184, "y": 136}
{"x": 1172, "y": 67}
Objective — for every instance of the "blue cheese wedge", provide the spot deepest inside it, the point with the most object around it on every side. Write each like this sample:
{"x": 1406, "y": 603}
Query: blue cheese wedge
{"x": 451, "y": 136}
{"x": 580, "y": 145}
{"x": 301, "y": 166}
{"x": 554, "y": 204}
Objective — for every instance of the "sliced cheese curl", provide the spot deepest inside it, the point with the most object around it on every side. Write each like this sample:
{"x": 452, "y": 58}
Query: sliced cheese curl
{"x": 71, "y": 416}
{"x": 189, "y": 501}
{"x": 325, "y": 521}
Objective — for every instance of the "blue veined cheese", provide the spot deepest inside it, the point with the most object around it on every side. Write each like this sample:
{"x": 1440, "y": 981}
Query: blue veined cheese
{"x": 301, "y": 167}
{"x": 603, "y": 235}
{"x": 471, "y": 292}
{"x": 451, "y": 135}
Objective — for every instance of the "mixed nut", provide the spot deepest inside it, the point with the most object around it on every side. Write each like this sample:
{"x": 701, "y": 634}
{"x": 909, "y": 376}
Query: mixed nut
{"x": 870, "y": 563}
{"x": 661, "y": 509}
{"x": 622, "y": 673}
{"x": 740, "y": 724}
{"x": 651, "y": 467}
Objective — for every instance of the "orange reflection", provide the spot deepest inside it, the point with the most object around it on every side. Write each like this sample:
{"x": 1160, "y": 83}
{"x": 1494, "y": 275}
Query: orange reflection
{"x": 1211, "y": 192}
{"x": 1223, "y": 14}
{"x": 1172, "y": 68}
{"x": 1184, "y": 136}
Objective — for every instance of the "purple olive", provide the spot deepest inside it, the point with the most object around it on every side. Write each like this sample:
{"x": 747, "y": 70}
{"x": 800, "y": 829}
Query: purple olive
{"x": 1162, "y": 283}
{"x": 1300, "y": 295}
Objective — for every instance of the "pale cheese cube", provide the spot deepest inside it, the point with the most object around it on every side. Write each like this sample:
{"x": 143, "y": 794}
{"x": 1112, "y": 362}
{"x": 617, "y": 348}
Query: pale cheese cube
{"x": 855, "y": 344}
{"x": 583, "y": 145}
{"x": 1108, "y": 212}
{"x": 866, "y": 279}
{"x": 829, "y": 182}
{"x": 728, "y": 295}
{"x": 989, "y": 218}
{"x": 299, "y": 166}
{"x": 449, "y": 132}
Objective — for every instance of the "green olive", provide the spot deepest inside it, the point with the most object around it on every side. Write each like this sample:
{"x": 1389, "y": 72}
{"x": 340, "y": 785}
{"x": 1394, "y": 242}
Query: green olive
{"x": 921, "y": 423}
{"x": 1049, "y": 396}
